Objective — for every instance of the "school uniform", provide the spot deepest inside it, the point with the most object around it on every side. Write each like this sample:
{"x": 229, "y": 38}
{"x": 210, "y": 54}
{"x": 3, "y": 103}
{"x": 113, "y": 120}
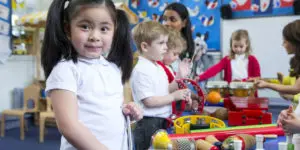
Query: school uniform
{"x": 98, "y": 87}
{"x": 148, "y": 79}
{"x": 177, "y": 106}
{"x": 240, "y": 68}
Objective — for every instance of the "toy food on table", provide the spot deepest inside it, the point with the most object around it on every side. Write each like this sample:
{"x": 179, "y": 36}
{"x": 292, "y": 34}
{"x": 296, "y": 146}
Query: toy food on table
{"x": 161, "y": 140}
{"x": 213, "y": 140}
{"x": 205, "y": 145}
{"x": 214, "y": 97}
{"x": 248, "y": 141}
{"x": 183, "y": 144}
{"x": 221, "y": 113}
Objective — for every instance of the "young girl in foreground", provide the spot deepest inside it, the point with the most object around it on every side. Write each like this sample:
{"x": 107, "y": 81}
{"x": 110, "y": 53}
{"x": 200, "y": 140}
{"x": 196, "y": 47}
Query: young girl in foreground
{"x": 86, "y": 89}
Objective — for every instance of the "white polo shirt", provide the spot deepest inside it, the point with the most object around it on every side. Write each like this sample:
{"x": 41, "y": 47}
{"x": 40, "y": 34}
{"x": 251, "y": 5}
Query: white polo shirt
{"x": 147, "y": 80}
{"x": 239, "y": 67}
{"x": 99, "y": 90}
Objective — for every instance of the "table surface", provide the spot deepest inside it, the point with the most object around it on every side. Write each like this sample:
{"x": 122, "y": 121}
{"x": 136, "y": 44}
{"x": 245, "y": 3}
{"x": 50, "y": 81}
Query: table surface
{"x": 275, "y": 106}
{"x": 273, "y": 101}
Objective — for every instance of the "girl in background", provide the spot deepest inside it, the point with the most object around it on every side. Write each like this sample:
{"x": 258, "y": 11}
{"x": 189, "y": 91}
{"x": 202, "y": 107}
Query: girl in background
{"x": 239, "y": 65}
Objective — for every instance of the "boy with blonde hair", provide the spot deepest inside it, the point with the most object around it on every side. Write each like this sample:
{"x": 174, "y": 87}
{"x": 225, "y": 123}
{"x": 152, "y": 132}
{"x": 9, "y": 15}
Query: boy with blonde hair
{"x": 176, "y": 44}
{"x": 149, "y": 82}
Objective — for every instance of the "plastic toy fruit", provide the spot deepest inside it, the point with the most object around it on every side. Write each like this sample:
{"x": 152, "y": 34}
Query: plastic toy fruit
{"x": 214, "y": 97}
{"x": 161, "y": 140}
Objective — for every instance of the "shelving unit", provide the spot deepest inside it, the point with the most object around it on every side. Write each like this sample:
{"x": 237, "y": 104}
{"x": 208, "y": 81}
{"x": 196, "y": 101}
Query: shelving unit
{"x": 33, "y": 25}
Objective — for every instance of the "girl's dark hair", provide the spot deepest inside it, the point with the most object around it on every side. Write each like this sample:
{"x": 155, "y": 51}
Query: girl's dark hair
{"x": 121, "y": 52}
{"x": 187, "y": 30}
{"x": 57, "y": 46}
{"x": 291, "y": 34}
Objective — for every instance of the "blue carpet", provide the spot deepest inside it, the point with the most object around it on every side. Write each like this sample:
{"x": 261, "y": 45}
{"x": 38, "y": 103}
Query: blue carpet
{"x": 12, "y": 141}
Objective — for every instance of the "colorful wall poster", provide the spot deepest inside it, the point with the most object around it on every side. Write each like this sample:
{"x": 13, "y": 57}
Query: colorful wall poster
{"x": 5, "y": 29}
{"x": 260, "y": 8}
{"x": 204, "y": 15}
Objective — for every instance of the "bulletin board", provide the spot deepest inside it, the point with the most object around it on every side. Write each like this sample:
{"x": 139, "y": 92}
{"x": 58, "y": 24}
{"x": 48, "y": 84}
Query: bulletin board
{"x": 204, "y": 15}
{"x": 5, "y": 29}
{"x": 260, "y": 8}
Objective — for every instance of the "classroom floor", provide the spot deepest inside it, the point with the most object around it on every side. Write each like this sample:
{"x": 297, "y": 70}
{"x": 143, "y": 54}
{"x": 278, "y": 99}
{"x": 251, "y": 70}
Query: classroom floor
{"x": 12, "y": 141}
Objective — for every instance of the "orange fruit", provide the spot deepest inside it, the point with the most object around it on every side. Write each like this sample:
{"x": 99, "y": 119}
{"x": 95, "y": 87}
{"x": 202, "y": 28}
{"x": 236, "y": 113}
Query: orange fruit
{"x": 214, "y": 97}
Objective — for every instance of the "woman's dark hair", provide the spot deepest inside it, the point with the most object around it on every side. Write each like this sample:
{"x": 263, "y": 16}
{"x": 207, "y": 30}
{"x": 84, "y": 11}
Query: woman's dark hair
{"x": 57, "y": 46}
{"x": 291, "y": 34}
{"x": 187, "y": 30}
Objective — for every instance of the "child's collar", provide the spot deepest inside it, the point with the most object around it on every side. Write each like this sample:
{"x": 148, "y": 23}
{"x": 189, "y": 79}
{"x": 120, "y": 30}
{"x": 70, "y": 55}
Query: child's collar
{"x": 240, "y": 56}
{"x": 147, "y": 60}
{"x": 100, "y": 60}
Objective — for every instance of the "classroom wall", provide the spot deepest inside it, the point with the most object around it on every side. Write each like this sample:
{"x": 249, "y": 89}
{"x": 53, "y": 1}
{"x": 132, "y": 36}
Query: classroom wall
{"x": 17, "y": 72}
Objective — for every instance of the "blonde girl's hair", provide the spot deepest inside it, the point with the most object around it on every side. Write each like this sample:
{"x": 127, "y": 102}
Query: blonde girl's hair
{"x": 237, "y": 36}
{"x": 176, "y": 40}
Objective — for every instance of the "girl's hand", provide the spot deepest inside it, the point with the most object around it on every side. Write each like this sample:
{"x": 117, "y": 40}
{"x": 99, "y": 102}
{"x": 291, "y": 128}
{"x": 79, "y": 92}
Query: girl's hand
{"x": 184, "y": 69}
{"x": 283, "y": 115}
{"x": 253, "y": 79}
{"x": 135, "y": 112}
{"x": 291, "y": 124}
{"x": 261, "y": 84}
{"x": 183, "y": 94}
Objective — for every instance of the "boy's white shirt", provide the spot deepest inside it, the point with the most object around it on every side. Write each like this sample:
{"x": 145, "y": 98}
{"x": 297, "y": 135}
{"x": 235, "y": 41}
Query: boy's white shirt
{"x": 99, "y": 90}
{"x": 147, "y": 80}
{"x": 239, "y": 67}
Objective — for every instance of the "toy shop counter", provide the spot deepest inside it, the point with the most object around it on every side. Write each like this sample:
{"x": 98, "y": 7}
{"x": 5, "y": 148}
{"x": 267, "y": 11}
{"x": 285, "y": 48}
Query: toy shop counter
{"x": 275, "y": 106}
